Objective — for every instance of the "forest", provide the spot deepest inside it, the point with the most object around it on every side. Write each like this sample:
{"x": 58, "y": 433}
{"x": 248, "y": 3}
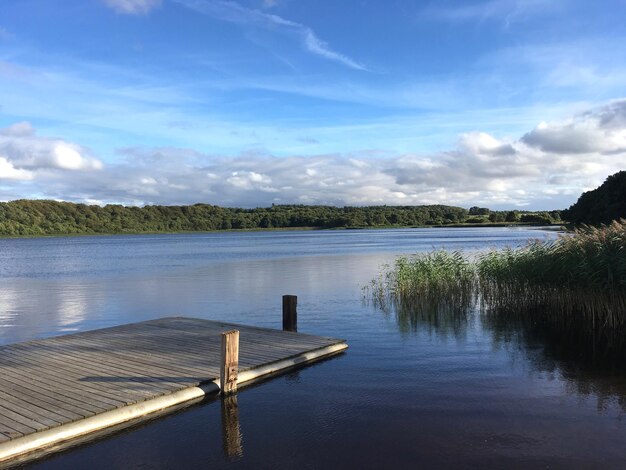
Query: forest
{"x": 45, "y": 217}
{"x": 601, "y": 205}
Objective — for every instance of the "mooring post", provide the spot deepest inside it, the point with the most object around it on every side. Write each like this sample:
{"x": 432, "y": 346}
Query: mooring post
{"x": 290, "y": 313}
{"x": 229, "y": 361}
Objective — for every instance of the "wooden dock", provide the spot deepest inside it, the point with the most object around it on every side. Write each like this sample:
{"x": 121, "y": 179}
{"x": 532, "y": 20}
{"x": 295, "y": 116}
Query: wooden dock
{"x": 56, "y": 389}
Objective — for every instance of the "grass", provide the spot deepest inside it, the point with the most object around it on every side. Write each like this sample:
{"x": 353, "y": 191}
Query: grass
{"x": 576, "y": 282}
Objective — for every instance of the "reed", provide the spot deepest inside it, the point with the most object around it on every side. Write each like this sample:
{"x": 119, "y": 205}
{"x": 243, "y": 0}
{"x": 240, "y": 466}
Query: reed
{"x": 440, "y": 282}
{"x": 576, "y": 282}
{"x": 578, "y": 278}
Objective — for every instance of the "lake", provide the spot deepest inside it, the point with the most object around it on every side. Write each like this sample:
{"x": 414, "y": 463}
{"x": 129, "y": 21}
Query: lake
{"x": 410, "y": 392}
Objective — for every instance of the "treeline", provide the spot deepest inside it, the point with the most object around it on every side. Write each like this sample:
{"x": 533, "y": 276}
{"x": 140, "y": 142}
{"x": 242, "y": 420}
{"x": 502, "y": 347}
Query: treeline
{"x": 36, "y": 217}
{"x": 42, "y": 217}
{"x": 602, "y": 205}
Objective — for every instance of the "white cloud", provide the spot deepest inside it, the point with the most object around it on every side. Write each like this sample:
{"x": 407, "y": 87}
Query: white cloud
{"x": 233, "y": 12}
{"x": 481, "y": 143}
{"x": 537, "y": 172}
{"x": 132, "y": 7}
{"x": 249, "y": 180}
{"x": 602, "y": 130}
{"x": 319, "y": 47}
{"x": 19, "y": 129}
{"x": 24, "y": 150}
{"x": 68, "y": 157}
{"x": 9, "y": 172}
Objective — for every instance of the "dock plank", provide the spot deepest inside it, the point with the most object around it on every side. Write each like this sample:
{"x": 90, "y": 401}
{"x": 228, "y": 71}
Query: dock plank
{"x": 73, "y": 372}
{"x": 41, "y": 374}
{"x": 64, "y": 403}
{"x": 77, "y": 381}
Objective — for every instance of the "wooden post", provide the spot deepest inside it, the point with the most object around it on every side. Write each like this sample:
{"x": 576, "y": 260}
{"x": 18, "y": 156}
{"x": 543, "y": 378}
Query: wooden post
{"x": 290, "y": 313}
{"x": 230, "y": 361}
{"x": 231, "y": 431}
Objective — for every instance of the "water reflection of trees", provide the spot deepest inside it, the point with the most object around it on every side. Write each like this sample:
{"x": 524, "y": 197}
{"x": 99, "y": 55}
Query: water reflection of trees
{"x": 589, "y": 364}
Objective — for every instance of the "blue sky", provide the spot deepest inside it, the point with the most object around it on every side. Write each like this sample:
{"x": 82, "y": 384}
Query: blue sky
{"x": 254, "y": 102}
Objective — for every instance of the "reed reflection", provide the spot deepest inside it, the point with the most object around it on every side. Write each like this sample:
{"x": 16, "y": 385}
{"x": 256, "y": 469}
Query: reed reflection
{"x": 440, "y": 319}
{"x": 589, "y": 364}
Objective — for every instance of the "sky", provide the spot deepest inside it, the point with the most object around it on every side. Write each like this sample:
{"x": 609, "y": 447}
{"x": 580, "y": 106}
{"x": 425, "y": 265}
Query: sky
{"x": 507, "y": 104}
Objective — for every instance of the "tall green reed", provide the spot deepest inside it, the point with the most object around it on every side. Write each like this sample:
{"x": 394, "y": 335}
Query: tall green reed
{"x": 577, "y": 278}
{"x": 576, "y": 282}
{"x": 440, "y": 281}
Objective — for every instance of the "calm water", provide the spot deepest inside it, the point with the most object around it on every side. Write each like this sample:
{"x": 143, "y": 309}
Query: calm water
{"x": 416, "y": 392}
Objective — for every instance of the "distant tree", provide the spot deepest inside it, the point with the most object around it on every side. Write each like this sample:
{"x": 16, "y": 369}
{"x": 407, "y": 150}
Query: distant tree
{"x": 512, "y": 216}
{"x": 539, "y": 218}
{"x": 497, "y": 216}
{"x": 479, "y": 211}
{"x": 601, "y": 205}
{"x": 555, "y": 216}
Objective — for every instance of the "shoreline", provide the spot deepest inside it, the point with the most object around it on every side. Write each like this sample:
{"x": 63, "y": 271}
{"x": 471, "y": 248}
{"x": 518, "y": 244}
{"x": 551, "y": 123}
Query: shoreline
{"x": 283, "y": 229}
